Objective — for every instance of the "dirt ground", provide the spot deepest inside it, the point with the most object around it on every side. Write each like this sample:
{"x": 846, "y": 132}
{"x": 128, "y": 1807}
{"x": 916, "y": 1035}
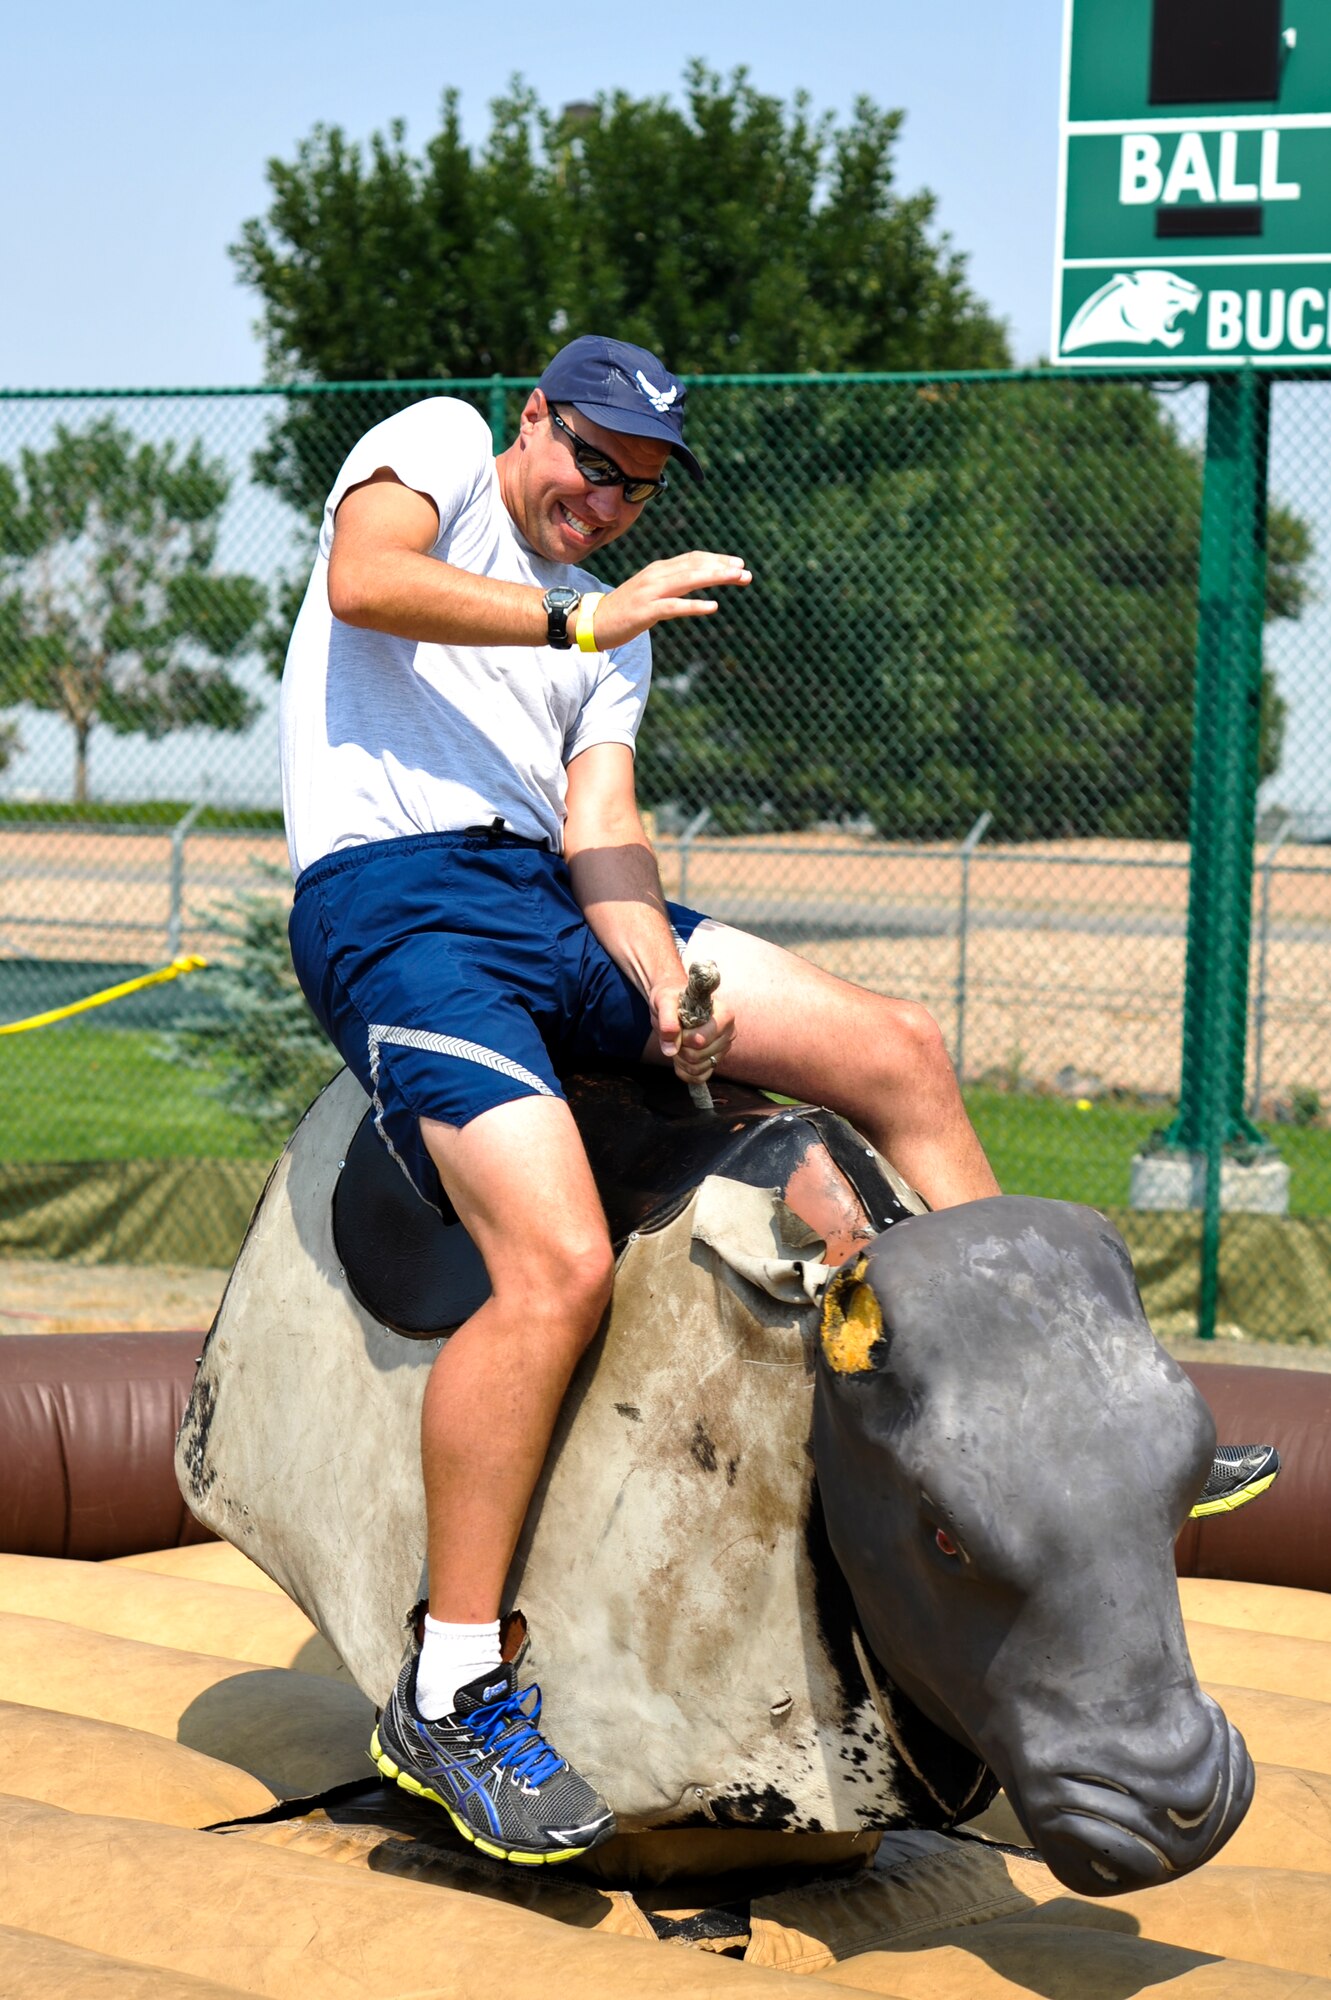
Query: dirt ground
{"x": 37, "y": 1297}
{"x": 1075, "y": 951}
{"x": 41, "y": 1297}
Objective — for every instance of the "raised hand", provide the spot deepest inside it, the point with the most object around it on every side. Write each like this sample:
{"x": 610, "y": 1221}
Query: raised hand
{"x": 661, "y": 591}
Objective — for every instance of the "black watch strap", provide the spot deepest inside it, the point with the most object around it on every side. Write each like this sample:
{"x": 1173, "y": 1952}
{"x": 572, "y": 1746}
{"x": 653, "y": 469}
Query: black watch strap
{"x": 560, "y": 604}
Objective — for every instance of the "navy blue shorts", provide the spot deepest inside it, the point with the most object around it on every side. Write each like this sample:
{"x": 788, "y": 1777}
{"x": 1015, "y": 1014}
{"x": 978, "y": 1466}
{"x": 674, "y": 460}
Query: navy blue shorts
{"x": 454, "y": 972}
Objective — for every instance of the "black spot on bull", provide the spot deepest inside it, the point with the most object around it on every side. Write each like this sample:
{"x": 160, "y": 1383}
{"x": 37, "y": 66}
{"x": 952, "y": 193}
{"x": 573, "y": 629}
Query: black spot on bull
{"x": 701, "y": 1449}
{"x": 192, "y": 1442}
{"x": 766, "y": 1810}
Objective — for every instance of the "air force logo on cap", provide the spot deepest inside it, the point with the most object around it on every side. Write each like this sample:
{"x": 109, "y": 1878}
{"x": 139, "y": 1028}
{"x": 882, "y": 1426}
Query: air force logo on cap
{"x": 623, "y": 388}
{"x": 660, "y": 399}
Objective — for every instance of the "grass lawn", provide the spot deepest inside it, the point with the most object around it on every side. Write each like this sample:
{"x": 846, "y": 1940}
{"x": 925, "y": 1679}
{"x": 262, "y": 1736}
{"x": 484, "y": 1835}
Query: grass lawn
{"x": 1045, "y": 1145}
{"x": 76, "y": 1093}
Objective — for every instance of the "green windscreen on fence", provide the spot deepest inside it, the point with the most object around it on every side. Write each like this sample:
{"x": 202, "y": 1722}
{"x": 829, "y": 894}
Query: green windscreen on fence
{"x": 942, "y": 746}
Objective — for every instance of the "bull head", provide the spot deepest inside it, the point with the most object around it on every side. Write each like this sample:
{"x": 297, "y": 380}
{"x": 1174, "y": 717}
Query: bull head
{"x": 1005, "y": 1456}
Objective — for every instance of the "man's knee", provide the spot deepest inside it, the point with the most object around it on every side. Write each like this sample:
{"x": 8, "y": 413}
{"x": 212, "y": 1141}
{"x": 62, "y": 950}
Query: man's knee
{"x": 914, "y": 1046}
{"x": 559, "y": 1286}
{"x": 590, "y": 1274}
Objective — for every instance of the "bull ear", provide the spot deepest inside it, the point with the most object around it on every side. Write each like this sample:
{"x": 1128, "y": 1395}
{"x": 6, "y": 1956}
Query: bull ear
{"x": 851, "y": 1333}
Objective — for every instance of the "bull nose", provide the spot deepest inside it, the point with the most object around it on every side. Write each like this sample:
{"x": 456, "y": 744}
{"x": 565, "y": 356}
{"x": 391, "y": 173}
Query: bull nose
{"x": 1104, "y": 1836}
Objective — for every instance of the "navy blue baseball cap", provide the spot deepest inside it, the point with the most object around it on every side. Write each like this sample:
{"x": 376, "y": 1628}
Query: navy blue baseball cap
{"x": 623, "y": 387}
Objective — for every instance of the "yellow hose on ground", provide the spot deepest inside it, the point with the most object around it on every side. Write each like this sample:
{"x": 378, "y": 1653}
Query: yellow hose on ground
{"x": 190, "y": 963}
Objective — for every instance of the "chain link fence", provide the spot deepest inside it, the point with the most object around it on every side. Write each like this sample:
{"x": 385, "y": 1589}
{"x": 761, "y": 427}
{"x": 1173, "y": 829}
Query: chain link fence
{"x": 944, "y": 747}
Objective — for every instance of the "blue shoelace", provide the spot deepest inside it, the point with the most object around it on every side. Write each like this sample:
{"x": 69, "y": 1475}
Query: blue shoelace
{"x": 526, "y": 1750}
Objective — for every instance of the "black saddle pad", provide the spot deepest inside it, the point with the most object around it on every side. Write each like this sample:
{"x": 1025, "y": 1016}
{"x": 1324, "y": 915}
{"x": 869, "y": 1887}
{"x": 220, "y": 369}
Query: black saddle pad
{"x": 417, "y": 1270}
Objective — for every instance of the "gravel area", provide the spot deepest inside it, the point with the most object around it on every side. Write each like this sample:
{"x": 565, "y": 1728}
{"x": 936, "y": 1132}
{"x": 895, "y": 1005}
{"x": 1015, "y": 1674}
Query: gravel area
{"x": 41, "y": 1297}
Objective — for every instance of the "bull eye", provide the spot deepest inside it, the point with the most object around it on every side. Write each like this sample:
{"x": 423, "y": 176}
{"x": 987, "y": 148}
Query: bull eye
{"x": 945, "y": 1543}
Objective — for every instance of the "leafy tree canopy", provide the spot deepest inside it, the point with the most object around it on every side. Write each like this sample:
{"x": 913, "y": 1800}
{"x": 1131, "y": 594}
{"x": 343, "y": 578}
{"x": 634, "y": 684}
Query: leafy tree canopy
{"x": 968, "y": 596}
{"x": 111, "y": 609}
{"x": 731, "y": 231}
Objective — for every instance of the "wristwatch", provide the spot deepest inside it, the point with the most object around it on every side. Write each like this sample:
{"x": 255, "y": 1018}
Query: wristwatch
{"x": 560, "y": 605}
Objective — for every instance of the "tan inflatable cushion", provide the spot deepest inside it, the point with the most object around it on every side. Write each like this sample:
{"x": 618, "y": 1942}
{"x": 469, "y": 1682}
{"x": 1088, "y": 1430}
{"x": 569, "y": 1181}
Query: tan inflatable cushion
{"x": 921, "y": 1886}
{"x": 294, "y": 1928}
{"x": 204, "y": 1562}
{"x": 1013, "y": 1961}
{"x": 1261, "y": 1660}
{"x": 103, "y": 1767}
{"x": 1272, "y": 1916}
{"x": 44, "y": 1968}
{"x": 1254, "y": 1607}
{"x": 296, "y": 1733}
{"x": 1279, "y": 1728}
{"x": 252, "y": 1625}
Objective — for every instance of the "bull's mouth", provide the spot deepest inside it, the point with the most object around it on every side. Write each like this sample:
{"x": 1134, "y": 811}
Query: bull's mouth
{"x": 1102, "y": 1838}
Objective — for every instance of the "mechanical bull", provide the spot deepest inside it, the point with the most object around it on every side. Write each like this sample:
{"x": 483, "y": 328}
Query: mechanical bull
{"x": 820, "y": 1573}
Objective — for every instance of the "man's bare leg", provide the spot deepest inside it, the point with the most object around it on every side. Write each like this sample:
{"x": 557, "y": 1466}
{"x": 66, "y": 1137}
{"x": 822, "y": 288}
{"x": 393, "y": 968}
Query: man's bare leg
{"x": 456, "y": 1728}
{"x": 519, "y": 1180}
{"x": 881, "y": 1063}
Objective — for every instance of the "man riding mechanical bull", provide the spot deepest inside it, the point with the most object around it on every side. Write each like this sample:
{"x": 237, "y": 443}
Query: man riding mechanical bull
{"x": 477, "y": 905}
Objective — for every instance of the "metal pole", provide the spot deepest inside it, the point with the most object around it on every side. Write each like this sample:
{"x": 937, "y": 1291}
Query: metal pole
{"x": 1224, "y": 796}
{"x": 499, "y": 412}
{"x": 686, "y": 840}
{"x": 178, "y": 832}
{"x": 1263, "y": 933}
{"x": 968, "y": 847}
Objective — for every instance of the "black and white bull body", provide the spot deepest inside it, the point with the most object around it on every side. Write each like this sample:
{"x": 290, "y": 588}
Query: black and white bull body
{"x": 724, "y": 1639}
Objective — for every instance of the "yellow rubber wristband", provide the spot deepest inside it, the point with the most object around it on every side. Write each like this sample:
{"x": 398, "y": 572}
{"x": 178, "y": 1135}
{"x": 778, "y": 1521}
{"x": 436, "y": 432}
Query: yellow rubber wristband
{"x": 586, "y": 634}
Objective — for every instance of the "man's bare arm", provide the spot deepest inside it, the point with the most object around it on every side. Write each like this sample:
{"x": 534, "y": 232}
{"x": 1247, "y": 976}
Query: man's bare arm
{"x": 618, "y": 887}
{"x": 381, "y": 576}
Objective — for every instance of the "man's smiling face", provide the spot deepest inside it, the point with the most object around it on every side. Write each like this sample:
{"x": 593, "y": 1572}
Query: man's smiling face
{"x": 563, "y": 516}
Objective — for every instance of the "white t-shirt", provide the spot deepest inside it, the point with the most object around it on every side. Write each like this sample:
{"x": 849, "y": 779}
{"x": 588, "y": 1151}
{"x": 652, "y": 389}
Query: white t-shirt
{"x": 384, "y": 737}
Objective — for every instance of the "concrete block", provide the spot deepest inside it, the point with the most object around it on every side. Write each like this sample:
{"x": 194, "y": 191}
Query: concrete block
{"x": 1178, "y": 1181}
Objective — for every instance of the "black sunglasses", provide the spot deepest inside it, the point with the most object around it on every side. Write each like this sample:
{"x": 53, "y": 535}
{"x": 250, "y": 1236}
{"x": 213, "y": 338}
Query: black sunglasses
{"x": 598, "y": 470}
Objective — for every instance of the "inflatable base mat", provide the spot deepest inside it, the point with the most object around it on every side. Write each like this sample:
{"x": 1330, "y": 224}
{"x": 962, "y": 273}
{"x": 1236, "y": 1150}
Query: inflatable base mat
{"x": 184, "y": 1810}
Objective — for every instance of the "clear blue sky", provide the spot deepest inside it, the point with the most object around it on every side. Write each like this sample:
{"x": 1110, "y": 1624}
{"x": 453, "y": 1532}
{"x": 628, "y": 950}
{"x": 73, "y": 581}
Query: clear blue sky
{"x": 134, "y": 139}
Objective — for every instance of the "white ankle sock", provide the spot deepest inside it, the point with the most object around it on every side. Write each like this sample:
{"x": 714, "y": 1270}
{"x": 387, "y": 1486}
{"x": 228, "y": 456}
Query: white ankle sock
{"x": 451, "y": 1656}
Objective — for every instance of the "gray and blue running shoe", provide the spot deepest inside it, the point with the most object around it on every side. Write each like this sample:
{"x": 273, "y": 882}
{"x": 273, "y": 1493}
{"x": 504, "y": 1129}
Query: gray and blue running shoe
{"x": 491, "y": 1770}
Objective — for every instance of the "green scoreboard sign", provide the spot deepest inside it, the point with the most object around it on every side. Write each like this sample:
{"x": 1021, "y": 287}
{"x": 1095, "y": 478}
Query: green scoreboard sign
{"x": 1194, "y": 211}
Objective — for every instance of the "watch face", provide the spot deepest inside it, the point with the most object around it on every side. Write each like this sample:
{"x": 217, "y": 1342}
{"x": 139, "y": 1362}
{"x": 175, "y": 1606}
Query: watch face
{"x": 561, "y": 599}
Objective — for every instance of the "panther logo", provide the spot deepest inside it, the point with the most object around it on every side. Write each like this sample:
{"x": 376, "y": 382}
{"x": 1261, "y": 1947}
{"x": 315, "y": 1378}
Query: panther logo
{"x": 1135, "y": 306}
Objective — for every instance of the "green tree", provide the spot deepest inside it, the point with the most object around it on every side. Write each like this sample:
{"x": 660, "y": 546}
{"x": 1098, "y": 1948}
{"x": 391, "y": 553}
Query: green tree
{"x": 111, "y": 609}
{"x": 973, "y": 595}
{"x": 730, "y": 231}
{"x": 968, "y": 595}
{"x": 262, "y": 1045}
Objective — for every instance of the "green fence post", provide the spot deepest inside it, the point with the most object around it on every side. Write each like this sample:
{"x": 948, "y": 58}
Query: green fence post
{"x": 499, "y": 412}
{"x": 1224, "y": 797}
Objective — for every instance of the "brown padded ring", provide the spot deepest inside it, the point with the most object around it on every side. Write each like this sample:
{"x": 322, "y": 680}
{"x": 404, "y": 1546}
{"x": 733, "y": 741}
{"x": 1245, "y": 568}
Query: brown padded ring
{"x": 88, "y": 1423}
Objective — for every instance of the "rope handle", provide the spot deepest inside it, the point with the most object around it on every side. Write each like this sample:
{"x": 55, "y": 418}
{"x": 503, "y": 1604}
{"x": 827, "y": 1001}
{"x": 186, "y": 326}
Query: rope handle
{"x": 695, "y": 1007}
